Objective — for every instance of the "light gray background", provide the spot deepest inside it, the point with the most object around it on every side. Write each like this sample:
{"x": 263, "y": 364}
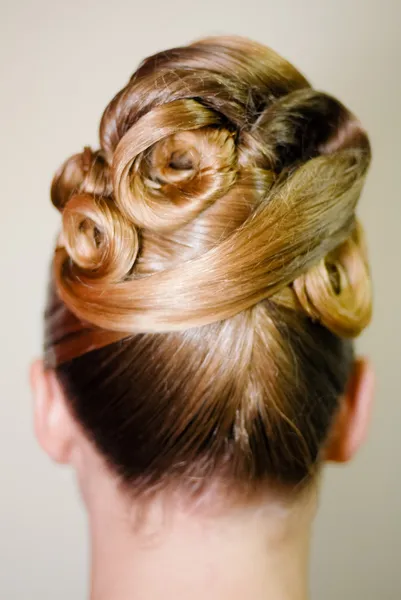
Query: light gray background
{"x": 61, "y": 62}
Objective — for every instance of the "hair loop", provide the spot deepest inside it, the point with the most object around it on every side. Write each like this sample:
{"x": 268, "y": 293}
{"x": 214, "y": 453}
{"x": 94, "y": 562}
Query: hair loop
{"x": 337, "y": 291}
{"x": 156, "y": 189}
{"x": 307, "y": 123}
{"x": 98, "y": 239}
{"x": 86, "y": 172}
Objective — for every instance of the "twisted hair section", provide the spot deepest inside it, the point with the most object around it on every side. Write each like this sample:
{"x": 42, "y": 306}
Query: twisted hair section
{"x": 219, "y": 209}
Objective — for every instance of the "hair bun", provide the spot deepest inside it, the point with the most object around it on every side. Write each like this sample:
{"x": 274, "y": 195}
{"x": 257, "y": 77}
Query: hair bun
{"x": 238, "y": 181}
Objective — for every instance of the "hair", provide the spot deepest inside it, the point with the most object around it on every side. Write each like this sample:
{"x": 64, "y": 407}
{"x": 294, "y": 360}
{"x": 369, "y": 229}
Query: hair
{"x": 211, "y": 273}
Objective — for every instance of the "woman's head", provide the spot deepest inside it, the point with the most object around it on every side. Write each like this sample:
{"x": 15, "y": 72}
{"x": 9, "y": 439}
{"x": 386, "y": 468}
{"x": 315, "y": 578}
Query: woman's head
{"x": 211, "y": 274}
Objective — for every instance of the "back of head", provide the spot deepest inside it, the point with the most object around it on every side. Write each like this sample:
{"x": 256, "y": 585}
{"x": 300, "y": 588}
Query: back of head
{"x": 211, "y": 273}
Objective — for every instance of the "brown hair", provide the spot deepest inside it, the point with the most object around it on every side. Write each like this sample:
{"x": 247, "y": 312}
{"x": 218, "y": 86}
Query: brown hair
{"x": 211, "y": 272}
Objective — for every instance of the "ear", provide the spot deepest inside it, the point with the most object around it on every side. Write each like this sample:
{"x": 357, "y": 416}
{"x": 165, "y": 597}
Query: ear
{"x": 54, "y": 426}
{"x": 351, "y": 424}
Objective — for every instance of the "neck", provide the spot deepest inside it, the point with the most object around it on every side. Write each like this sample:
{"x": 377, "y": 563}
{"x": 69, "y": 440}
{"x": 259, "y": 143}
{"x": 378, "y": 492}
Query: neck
{"x": 256, "y": 552}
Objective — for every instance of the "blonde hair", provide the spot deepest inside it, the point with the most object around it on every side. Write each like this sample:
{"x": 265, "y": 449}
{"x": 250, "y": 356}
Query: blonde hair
{"x": 210, "y": 269}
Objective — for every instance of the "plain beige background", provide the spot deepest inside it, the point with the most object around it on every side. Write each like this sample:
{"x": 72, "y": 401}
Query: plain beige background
{"x": 61, "y": 62}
